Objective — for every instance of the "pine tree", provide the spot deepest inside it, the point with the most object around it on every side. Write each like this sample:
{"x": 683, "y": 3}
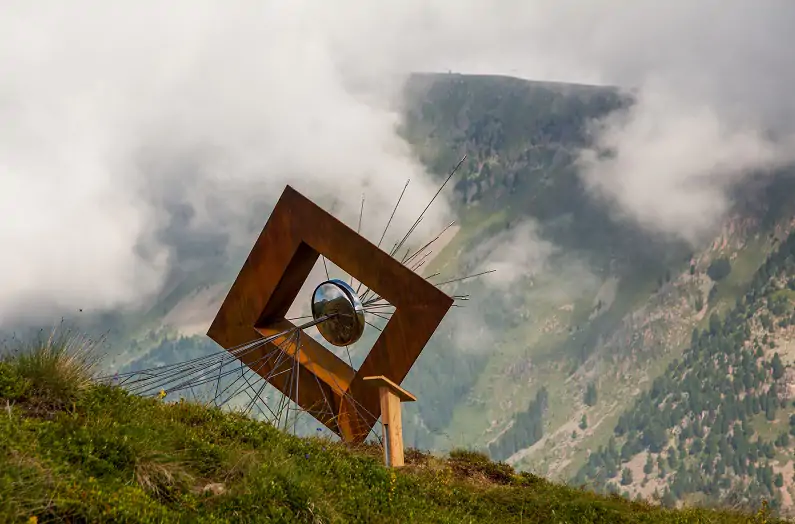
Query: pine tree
{"x": 649, "y": 466}
{"x": 668, "y": 499}
{"x": 778, "y": 367}
{"x": 590, "y": 396}
{"x": 626, "y": 477}
{"x": 699, "y": 304}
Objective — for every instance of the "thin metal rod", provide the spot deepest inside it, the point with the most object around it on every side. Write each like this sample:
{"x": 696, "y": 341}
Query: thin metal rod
{"x": 263, "y": 360}
{"x": 257, "y": 396}
{"x": 374, "y": 300}
{"x": 421, "y": 261}
{"x": 394, "y": 210}
{"x": 393, "y": 213}
{"x": 234, "y": 350}
{"x": 432, "y": 200}
{"x": 399, "y": 245}
{"x": 364, "y": 296}
{"x": 172, "y": 374}
{"x": 325, "y": 266}
{"x": 437, "y": 237}
{"x": 466, "y": 277}
{"x": 378, "y": 315}
{"x": 358, "y": 231}
{"x": 169, "y": 374}
{"x": 373, "y": 325}
{"x": 378, "y": 307}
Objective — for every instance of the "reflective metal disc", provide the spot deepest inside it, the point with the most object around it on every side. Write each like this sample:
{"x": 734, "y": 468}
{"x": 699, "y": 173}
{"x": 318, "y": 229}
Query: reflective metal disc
{"x": 336, "y": 299}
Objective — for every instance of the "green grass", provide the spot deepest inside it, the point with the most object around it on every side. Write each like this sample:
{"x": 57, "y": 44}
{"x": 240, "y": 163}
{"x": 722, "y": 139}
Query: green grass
{"x": 770, "y": 430}
{"x": 75, "y": 451}
{"x": 748, "y": 260}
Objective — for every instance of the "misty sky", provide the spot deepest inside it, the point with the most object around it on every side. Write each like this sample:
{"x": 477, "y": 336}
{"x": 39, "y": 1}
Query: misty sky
{"x": 114, "y": 116}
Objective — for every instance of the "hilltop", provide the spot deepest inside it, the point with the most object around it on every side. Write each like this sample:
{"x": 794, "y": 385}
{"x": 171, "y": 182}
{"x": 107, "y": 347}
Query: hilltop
{"x": 75, "y": 451}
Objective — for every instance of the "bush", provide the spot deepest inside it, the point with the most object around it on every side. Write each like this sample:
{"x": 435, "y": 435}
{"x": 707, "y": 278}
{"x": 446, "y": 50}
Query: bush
{"x": 719, "y": 269}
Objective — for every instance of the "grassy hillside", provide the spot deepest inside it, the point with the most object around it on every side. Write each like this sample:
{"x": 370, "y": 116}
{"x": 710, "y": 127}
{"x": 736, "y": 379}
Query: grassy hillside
{"x": 74, "y": 451}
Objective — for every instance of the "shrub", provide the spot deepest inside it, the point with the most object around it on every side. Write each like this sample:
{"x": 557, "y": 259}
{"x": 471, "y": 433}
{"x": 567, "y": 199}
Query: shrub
{"x": 719, "y": 269}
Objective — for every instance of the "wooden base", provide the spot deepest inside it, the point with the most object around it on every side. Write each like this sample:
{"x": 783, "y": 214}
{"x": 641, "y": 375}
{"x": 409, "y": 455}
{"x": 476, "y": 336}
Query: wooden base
{"x": 391, "y": 395}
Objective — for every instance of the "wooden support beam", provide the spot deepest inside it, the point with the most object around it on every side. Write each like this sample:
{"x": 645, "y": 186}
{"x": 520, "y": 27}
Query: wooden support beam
{"x": 391, "y": 395}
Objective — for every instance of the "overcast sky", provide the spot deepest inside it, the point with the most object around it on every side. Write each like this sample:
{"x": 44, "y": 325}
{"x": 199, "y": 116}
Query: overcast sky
{"x": 114, "y": 114}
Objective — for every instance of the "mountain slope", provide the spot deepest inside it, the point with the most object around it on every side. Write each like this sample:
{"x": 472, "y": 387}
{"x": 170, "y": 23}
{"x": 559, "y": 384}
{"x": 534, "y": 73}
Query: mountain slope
{"x": 715, "y": 426}
{"x": 610, "y": 296}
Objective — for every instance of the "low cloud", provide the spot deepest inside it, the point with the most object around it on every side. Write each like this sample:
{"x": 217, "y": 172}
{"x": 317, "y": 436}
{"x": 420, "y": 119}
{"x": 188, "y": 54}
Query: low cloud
{"x": 131, "y": 131}
{"x": 713, "y": 82}
{"x": 672, "y": 170}
{"x": 514, "y": 255}
{"x": 134, "y": 135}
{"x": 530, "y": 275}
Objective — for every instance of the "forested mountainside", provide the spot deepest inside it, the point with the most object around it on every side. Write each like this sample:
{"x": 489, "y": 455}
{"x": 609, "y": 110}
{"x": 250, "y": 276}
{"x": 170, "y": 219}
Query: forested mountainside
{"x": 538, "y": 369}
{"x": 716, "y": 425}
{"x": 521, "y": 184}
{"x": 579, "y": 363}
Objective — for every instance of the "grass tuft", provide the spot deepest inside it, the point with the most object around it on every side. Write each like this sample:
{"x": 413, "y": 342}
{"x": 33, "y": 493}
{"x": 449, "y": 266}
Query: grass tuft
{"x": 162, "y": 479}
{"x": 53, "y": 370}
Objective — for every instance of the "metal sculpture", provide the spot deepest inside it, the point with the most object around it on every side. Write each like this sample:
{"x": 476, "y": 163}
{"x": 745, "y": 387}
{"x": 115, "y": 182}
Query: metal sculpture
{"x": 261, "y": 344}
{"x": 296, "y": 234}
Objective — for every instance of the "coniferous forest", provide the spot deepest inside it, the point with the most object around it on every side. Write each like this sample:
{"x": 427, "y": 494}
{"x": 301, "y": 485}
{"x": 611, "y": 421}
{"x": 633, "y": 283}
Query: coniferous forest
{"x": 695, "y": 425}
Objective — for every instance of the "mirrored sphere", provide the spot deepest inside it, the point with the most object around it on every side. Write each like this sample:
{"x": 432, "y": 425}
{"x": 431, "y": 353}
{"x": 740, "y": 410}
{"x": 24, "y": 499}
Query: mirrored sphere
{"x": 338, "y": 301}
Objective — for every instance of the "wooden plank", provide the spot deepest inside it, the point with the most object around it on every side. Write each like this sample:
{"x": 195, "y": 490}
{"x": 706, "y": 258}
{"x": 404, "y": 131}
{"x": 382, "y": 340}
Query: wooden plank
{"x": 383, "y": 382}
{"x": 327, "y": 366}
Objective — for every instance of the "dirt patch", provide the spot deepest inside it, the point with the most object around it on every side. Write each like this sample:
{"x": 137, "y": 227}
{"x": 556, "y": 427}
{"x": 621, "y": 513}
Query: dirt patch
{"x": 644, "y": 485}
{"x": 561, "y": 441}
{"x": 785, "y": 344}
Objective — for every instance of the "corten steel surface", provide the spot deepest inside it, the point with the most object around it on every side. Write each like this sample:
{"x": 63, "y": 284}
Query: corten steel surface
{"x": 296, "y": 234}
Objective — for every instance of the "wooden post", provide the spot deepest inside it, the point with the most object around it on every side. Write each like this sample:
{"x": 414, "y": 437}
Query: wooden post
{"x": 391, "y": 396}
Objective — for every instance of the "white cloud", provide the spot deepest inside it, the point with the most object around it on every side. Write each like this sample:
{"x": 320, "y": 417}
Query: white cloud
{"x": 114, "y": 113}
